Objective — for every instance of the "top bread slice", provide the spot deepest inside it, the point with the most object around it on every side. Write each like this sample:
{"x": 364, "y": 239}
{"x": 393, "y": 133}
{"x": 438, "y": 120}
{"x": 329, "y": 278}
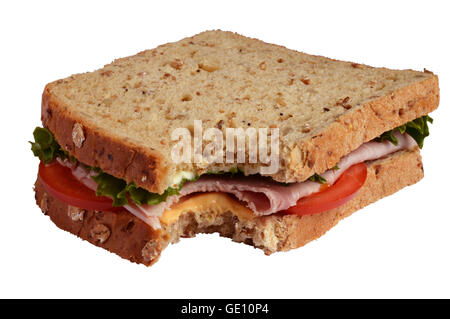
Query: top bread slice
{"x": 120, "y": 118}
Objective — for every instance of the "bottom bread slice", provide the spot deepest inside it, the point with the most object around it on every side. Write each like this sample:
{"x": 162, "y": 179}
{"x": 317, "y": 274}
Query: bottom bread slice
{"x": 122, "y": 233}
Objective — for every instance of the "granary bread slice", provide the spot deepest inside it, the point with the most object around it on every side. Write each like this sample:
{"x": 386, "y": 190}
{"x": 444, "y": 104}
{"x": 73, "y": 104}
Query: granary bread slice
{"x": 128, "y": 236}
{"x": 120, "y": 117}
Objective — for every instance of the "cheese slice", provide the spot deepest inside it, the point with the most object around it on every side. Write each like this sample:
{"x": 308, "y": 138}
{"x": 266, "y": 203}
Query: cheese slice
{"x": 211, "y": 203}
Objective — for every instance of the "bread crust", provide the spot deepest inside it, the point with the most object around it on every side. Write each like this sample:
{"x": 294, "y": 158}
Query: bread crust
{"x": 124, "y": 234}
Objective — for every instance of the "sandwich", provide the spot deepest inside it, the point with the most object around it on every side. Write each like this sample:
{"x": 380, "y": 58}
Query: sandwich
{"x": 221, "y": 133}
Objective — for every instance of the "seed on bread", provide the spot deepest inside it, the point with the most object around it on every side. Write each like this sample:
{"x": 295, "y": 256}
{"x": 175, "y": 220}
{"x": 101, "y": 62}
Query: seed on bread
{"x": 107, "y": 73}
{"x": 281, "y": 101}
{"x": 176, "y": 64}
{"x": 306, "y": 128}
{"x": 357, "y": 66}
{"x": 100, "y": 233}
{"x": 344, "y": 103}
{"x": 262, "y": 66}
{"x": 78, "y": 135}
{"x": 208, "y": 67}
{"x": 306, "y": 81}
{"x": 75, "y": 214}
{"x": 151, "y": 250}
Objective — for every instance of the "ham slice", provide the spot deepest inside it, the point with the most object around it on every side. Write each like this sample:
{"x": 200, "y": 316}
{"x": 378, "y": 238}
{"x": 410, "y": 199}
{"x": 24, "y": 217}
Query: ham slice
{"x": 265, "y": 196}
{"x": 261, "y": 194}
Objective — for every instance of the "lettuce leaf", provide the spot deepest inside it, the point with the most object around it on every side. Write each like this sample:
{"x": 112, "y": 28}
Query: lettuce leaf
{"x": 108, "y": 185}
{"x": 120, "y": 191}
{"x": 417, "y": 129}
{"x": 45, "y": 146}
{"x": 317, "y": 178}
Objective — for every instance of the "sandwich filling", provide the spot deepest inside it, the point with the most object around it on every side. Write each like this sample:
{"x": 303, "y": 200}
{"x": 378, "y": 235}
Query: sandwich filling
{"x": 248, "y": 195}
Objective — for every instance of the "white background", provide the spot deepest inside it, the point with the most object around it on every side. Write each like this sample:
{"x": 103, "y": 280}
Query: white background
{"x": 397, "y": 247}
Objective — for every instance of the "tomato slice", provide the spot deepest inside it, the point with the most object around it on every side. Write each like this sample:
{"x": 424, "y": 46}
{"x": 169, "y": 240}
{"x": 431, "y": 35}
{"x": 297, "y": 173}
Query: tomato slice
{"x": 346, "y": 186}
{"x": 59, "y": 182}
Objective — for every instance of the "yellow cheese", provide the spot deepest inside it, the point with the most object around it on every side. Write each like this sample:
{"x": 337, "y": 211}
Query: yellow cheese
{"x": 214, "y": 203}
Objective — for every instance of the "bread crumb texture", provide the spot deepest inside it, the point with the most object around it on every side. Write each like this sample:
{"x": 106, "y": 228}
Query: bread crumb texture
{"x": 323, "y": 108}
